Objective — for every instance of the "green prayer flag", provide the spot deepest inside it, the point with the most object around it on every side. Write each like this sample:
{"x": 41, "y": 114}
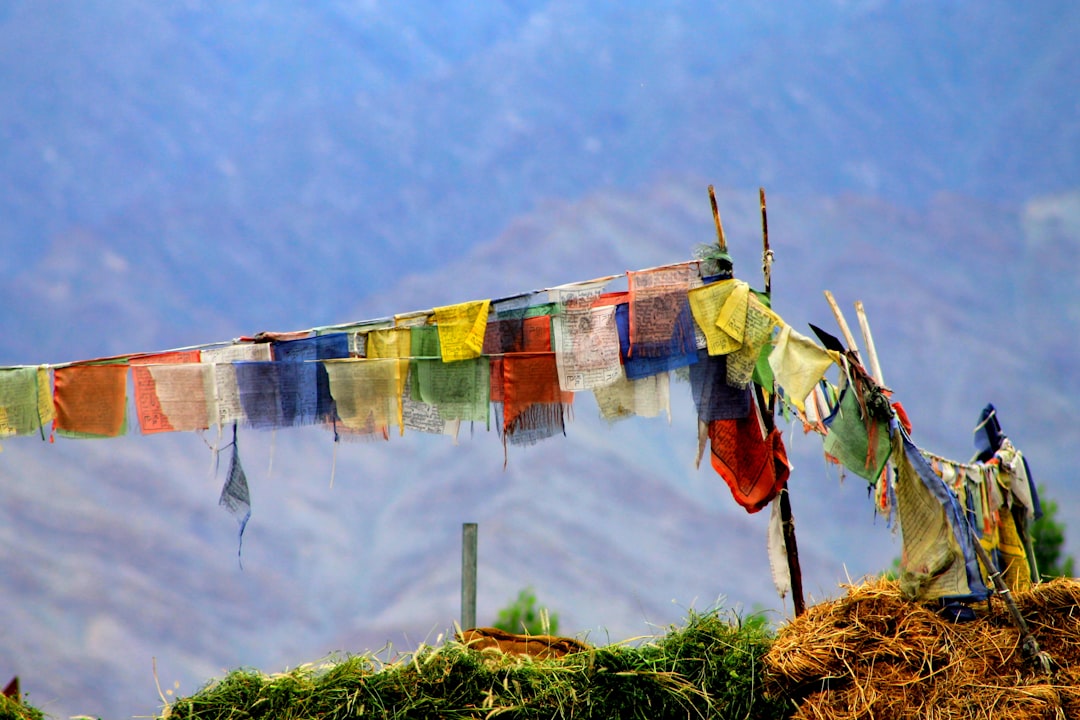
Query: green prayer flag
{"x": 849, "y": 442}
{"x": 21, "y": 393}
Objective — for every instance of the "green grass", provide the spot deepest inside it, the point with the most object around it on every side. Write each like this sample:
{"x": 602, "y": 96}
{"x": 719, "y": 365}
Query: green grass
{"x": 710, "y": 668}
{"x": 11, "y": 710}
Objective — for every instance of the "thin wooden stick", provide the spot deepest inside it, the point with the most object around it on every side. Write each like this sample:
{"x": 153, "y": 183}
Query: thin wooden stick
{"x": 848, "y": 337}
{"x": 721, "y": 241}
{"x": 868, "y": 341}
{"x": 766, "y": 254}
{"x": 787, "y": 520}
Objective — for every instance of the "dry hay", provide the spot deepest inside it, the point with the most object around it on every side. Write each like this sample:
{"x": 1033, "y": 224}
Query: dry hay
{"x": 873, "y": 654}
{"x": 537, "y": 646}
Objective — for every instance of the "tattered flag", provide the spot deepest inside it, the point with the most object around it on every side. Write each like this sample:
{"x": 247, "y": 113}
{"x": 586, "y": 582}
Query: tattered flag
{"x": 235, "y": 496}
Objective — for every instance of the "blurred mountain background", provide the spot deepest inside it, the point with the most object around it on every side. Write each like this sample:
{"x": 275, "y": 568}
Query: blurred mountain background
{"x": 182, "y": 173}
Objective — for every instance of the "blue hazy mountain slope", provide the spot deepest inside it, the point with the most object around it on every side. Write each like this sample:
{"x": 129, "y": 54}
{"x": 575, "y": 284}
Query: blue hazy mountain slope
{"x": 183, "y": 173}
{"x": 212, "y": 143}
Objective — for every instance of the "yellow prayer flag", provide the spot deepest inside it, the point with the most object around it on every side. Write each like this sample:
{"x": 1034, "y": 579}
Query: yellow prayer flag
{"x": 393, "y": 343}
{"x": 732, "y": 316}
{"x": 46, "y": 411}
{"x": 461, "y": 329}
{"x": 366, "y": 393}
{"x": 389, "y": 343}
{"x": 758, "y": 323}
{"x": 798, "y": 364}
{"x": 706, "y": 304}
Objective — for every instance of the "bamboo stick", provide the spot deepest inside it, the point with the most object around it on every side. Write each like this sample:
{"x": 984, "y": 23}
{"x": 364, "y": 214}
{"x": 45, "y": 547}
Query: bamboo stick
{"x": 721, "y": 241}
{"x": 844, "y": 329}
{"x": 868, "y": 341}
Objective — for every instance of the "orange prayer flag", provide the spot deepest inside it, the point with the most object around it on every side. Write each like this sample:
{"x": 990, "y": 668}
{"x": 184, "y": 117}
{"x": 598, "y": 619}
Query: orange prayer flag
{"x": 537, "y": 334}
{"x": 90, "y": 400}
{"x": 530, "y": 379}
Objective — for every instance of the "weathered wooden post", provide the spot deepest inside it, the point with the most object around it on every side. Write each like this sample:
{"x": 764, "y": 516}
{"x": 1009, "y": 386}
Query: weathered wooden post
{"x": 468, "y": 575}
{"x": 787, "y": 520}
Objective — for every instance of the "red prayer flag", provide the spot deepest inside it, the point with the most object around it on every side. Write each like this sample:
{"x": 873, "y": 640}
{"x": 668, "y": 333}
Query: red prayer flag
{"x": 529, "y": 379}
{"x": 755, "y": 468}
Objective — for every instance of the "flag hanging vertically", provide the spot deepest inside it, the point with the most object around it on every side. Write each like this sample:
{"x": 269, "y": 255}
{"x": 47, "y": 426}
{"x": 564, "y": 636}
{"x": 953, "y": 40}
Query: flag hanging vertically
{"x": 235, "y": 496}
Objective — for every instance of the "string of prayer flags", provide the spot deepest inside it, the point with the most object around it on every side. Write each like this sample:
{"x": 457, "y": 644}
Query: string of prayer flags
{"x": 367, "y": 394}
{"x": 235, "y": 495}
{"x": 461, "y": 329}
{"x": 798, "y": 364}
{"x": 998, "y": 501}
{"x": 660, "y": 321}
{"x": 91, "y": 400}
{"x": 26, "y": 404}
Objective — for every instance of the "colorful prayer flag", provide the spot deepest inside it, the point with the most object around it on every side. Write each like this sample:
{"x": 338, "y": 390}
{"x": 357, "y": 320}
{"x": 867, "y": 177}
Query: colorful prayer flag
{"x": 25, "y": 400}
{"x": 148, "y": 401}
{"x": 461, "y": 329}
{"x": 91, "y": 400}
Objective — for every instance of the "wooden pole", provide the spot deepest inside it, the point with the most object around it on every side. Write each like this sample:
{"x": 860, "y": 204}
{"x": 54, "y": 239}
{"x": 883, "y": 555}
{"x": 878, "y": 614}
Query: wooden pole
{"x": 787, "y": 520}
{"x": 721, "y": 241}
{"x": 868, "y": 341}
{"x": 468, "y": 575}
{"x": 839, "y": 315}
